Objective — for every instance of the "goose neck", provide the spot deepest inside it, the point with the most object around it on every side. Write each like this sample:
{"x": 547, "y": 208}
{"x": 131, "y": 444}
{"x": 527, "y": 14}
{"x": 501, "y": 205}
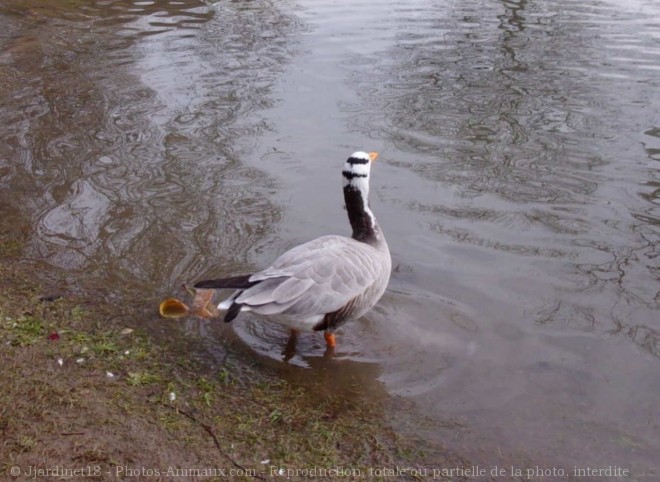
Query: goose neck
{"x": 363, "y": 221}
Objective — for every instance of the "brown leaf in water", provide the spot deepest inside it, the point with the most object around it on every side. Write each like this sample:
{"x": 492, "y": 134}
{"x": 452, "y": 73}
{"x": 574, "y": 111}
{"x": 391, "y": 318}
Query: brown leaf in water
{"x": 172, "y": 308}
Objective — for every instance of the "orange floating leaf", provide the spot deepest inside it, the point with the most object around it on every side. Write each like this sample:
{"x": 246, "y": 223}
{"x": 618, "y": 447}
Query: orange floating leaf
{"x": 173, "y": 308}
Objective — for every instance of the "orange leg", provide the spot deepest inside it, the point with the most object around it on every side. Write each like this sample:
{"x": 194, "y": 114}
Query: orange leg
{"x": 330, "y": 339}
{"x": 202, "y": 305}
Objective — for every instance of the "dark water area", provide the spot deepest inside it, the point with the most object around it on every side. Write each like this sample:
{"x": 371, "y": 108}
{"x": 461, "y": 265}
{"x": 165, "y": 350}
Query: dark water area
{"x": 145, "y": 144}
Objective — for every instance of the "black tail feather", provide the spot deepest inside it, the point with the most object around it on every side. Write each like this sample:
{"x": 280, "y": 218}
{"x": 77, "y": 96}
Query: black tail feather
{"x": 232, "y": 312}
{"x": 234, "y": 282}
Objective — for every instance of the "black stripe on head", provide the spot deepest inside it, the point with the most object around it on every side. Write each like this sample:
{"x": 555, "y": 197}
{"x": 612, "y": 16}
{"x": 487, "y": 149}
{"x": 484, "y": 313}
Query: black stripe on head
{"x": 357, "y": 160}
{"x": 351, "y": 175}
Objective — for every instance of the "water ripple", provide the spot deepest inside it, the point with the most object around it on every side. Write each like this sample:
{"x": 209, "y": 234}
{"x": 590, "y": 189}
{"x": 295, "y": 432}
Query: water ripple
{"x": 132, "y": 130}
{"x": 491, "y": 104}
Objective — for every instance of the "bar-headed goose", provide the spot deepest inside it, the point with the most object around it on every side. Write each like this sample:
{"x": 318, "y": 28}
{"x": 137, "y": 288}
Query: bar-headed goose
{"x": 322, "y": 283}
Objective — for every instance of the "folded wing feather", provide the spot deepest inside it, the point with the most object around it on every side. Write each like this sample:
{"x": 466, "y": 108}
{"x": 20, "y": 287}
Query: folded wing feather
{"x": 312, "y": 279}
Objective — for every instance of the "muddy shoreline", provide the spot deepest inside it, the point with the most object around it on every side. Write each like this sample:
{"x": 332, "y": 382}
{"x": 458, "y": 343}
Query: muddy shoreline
{"x": 86, "y": 396}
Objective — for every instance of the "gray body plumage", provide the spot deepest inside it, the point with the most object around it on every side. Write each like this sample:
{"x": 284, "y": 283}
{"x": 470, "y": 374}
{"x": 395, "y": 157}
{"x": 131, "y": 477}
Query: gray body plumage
{"x": 320, "y": 284}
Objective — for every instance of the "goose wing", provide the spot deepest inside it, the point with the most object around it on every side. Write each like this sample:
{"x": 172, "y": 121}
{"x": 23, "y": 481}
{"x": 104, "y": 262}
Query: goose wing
{"x": 315, "y": 278}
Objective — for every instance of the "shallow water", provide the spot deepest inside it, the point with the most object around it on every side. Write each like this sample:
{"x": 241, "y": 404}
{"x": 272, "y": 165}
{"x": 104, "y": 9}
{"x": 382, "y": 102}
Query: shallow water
{"x": 149, "y": 144}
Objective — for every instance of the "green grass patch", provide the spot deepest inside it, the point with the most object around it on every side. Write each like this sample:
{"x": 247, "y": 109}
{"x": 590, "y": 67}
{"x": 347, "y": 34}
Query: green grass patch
{"x": 103, "y": 394}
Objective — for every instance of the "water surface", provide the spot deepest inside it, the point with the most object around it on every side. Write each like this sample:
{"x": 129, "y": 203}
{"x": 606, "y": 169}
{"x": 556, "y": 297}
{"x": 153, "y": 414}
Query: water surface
{"x": 147, "y": 144}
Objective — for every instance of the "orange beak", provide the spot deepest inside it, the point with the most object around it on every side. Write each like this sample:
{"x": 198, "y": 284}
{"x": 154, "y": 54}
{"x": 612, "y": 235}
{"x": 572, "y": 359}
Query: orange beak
{"x": 373, "y": 156}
